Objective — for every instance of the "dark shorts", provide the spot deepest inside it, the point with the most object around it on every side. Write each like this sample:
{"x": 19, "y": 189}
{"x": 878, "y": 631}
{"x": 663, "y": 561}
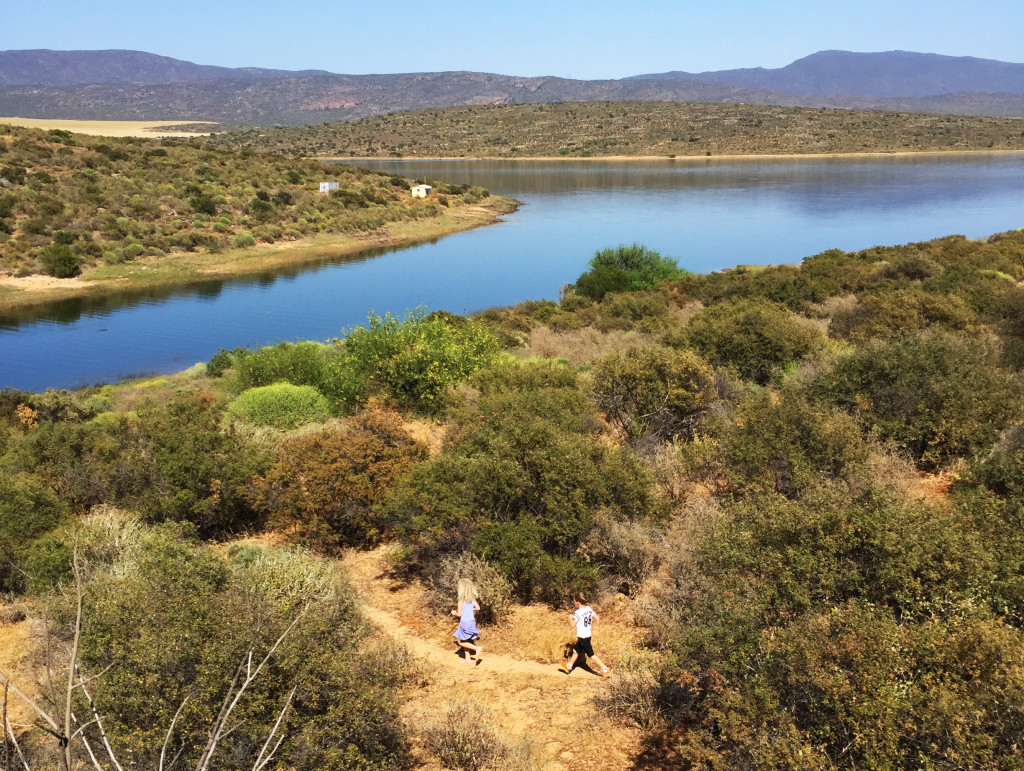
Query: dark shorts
{"x": 584, "y": 646}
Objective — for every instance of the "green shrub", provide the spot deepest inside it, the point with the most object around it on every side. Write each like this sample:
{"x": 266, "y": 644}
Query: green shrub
{"x": 221, "y": 361}
{"x": 28, "y": 513}
{"x": 302, "y": 363}
{"x": 521, "y": 486}
{"x": 416, "y": 359}
{"x": 59, "y": 260}
{"x": 281, "y": 405}
{"x": 938, "y": 396}
{"x": 897, "y": 314}
{"x": 176, "y": 621}
{"x": 517, "y": 375}
{"x": 646, "y": 311}
{"x": 187, "y": 469}
{"x": 133, "y": 250}
{"x": 653, "y": 389}
{"x": 203, "y": 204}
{"x": 757, "y": 338}
{"x": 243, "y": 240}
{"x": 785, "y": 443}
{"x": 626, "y": 268}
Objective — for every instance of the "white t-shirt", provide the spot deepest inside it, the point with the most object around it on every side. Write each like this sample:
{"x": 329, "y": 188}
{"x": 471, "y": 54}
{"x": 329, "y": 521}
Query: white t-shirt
{"x": 584, "y": 618}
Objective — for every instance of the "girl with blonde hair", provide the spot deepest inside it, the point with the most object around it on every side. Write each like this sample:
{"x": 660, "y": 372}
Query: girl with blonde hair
{"x": 465, "y": 610}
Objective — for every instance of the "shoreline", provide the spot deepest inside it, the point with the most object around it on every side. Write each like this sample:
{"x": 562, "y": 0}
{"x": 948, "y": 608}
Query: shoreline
{"x": 626, "y": 158}
{"x": 192, "y": 267}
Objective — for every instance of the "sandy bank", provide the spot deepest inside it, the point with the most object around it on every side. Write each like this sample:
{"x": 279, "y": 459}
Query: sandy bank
{"x": 190, "y": 267}
{"x": 111, "y": 128}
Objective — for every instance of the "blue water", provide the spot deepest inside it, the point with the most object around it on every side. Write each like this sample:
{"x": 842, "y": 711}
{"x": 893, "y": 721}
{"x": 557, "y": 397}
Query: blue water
{"x": 708, "y": 214}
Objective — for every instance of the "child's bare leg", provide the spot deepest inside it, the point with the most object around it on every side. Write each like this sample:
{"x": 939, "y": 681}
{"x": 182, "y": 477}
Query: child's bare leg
{"x": 572, "y": 659}
{"x": 598, "y": 661}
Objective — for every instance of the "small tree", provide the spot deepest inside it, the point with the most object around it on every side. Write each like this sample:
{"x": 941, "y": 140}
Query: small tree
{"x": 59, "y": 261}
{"x": 626, "y": 268}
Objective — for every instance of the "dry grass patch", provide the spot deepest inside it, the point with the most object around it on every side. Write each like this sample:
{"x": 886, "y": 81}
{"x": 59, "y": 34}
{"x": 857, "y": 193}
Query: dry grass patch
{"x": 16, "y": 645}
{"x": 426, "y": 432}
{"x": 577, "y": 346}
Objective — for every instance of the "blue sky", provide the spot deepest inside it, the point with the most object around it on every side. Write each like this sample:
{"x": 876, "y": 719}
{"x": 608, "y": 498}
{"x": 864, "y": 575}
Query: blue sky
{"x": 595, "y": 39}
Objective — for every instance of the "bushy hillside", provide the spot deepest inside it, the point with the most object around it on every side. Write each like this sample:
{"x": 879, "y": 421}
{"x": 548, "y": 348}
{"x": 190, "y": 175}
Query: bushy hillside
{"x": 804, "y": 483}
{"x": 634, "y": 128}
{"x": 70, "y": 203}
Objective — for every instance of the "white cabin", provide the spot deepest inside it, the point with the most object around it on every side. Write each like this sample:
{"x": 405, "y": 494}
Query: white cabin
{"x": 420, "y": 191}
{"x": 326, "y": 187}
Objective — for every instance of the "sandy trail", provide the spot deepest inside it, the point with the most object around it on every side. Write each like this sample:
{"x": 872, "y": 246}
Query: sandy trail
{"x": 528, "y": 698}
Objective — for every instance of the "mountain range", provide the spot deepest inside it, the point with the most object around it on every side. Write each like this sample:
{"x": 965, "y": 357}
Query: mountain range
{"x": 134, "y": 85}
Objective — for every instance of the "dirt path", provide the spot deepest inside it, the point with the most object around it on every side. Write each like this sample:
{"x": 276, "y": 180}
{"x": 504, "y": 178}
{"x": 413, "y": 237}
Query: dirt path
{"x": 528, "y": 697}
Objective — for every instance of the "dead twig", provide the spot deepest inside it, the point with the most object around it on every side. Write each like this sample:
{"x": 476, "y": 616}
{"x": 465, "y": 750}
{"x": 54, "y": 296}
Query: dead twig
{"x": 231, "y": 701}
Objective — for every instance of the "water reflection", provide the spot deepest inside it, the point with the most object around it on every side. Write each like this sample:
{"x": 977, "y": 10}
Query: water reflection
{"x": 74, "y": 308}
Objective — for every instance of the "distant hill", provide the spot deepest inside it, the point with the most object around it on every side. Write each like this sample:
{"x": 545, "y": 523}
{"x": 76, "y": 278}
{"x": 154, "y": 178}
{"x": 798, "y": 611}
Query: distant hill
{"x": 74, "y": 68}
{"x": 132, "y": 85}
{"x": 674, "y": 129}
{"x": 887, "y": 75}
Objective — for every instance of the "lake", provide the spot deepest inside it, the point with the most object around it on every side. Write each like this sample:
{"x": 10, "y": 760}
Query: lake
{"x": 709, "y": 214}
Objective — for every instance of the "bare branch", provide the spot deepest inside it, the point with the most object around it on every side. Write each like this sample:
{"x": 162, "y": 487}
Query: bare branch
{"x": 99, "y": 723}
{"x": 258, "y": 766}
{"x": 73, "y": 665}
{"x": 38, "y": 710}
{"x": 81, "y": 728}
{"x": 98, "y": 675}
{"x": 7, "y": 742}
{"x": 217, "y": 732}
{"x": 170, "y": 731}
{"x": 85, "y": 742}
{"x": 9, "y": 731}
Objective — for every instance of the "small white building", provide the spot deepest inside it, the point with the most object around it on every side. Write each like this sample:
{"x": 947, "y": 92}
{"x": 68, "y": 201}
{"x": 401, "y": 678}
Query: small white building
{"x": 420, "y": 191}
{"x": 326, "y": 187}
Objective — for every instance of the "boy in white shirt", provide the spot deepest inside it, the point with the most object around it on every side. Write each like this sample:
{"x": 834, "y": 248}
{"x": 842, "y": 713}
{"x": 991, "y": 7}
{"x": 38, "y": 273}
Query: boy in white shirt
{"x": 584, "y": 619}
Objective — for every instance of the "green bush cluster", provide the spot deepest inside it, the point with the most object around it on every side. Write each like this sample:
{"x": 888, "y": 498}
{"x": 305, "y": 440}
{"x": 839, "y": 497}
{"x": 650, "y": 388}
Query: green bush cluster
{"x": 167, "y": 620}
{"x": 281, "y": 405}
{"x": 520, "y": 485}
{"x": 415, "y": 360}
{"x": 653, "y": 389}
{"x": 758, "y": 338}
{"x": 937, "y": 395}
{"x": 626, "y": 269}
{"x": 30, "y": 556}
{"x": 817, "y": 601}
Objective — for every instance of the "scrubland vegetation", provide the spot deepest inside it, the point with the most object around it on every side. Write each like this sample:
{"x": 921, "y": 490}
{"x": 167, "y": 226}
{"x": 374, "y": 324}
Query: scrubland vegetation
{"x": 74, "y": 205}
{"x": 806, "y": 481}
{"x": 582, "y": 129}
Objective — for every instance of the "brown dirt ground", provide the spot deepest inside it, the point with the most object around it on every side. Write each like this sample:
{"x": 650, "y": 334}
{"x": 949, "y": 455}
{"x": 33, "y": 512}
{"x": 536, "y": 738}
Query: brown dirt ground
{"x": 16, "y": 645}
{"x": 517, "y": 678}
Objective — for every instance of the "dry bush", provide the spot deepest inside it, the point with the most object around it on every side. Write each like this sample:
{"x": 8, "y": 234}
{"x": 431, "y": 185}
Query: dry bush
{"x": 465, "y": 739}
{"x": 632, "y": 696}
{"x": 493, "y": 589}
{"x": 629, "y": 552}
{"x": 686, "y": 311}
{"x": 577, "y": 346}
{"x": 395, "y": 664}
{"x": 684, "y": 470}
{"x": 12, "y": 614}
{"x": 892, "y": 469}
